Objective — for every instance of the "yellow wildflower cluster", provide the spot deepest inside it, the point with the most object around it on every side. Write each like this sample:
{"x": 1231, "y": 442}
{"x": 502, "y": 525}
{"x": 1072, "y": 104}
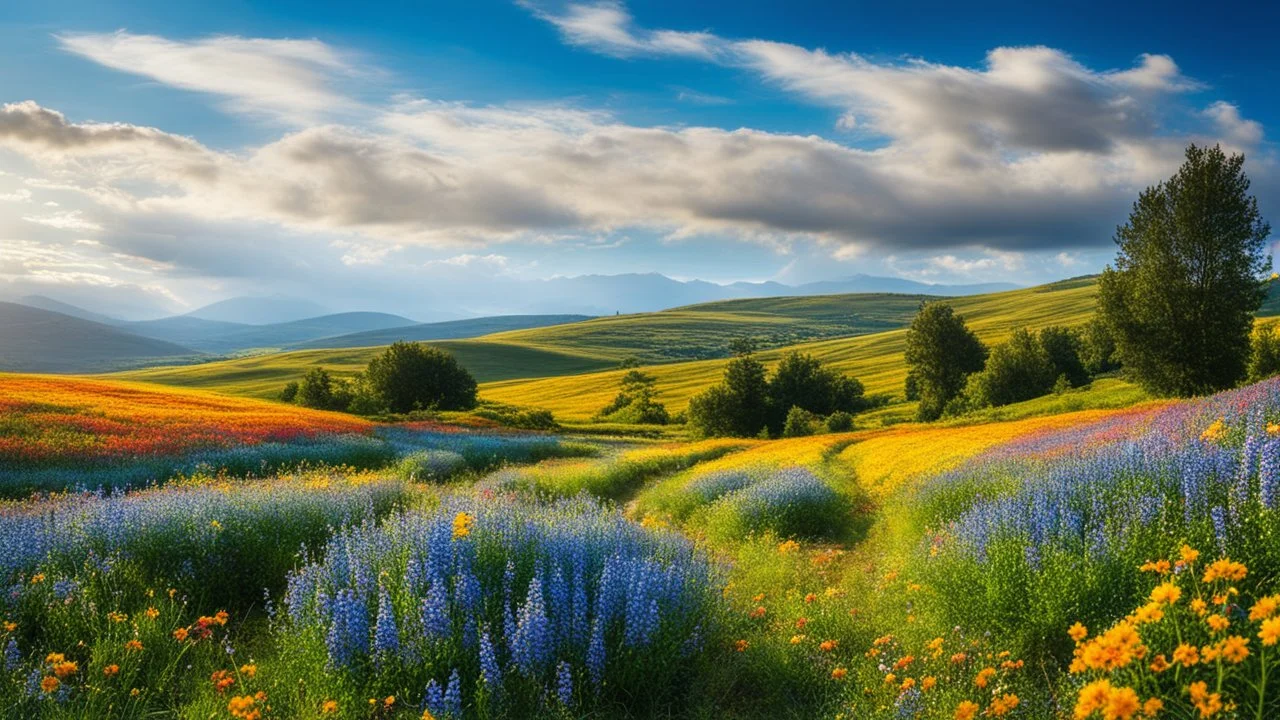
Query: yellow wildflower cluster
{"x": 1209, "y": 669}
{"x": 462, "y": 523}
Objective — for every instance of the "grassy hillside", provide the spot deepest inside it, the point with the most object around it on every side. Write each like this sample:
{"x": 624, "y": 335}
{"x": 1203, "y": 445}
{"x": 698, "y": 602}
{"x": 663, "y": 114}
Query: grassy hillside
{"x": 35, "y": 340}
{"x": 448, "y": 330}
{"x": 704, "y": 331}
{"x": 262, "y": 376}
{"x": 875, "y": 359}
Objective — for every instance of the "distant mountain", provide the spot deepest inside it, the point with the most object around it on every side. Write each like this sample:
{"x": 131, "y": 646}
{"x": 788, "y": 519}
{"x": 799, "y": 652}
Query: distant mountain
{"x": 36, "y": 340}
{"x": 450, "y": 330}
{"x": 874, "y": 284}
{"x": 224, "y": 337}
{"x": 260, "y": 310}
{"x": 47, "y": 303}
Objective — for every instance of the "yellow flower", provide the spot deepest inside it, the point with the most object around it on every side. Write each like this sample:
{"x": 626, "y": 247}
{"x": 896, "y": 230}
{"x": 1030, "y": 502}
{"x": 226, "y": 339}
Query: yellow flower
{"x": 1122, "y": 704}
{"x": 152, "y": 613}
{"x": 1078, "y": 632}
{"x": 1160, "y": 663}
{"x": 1209, "y": 704}
{"x": 1199, "y": 606}
{"x": 1166, "y": 593}
{"x": 1160, "y": 567}
{"x": 1217, "y": 623}
{"x": 1189, "y": 554}
{"x": 1225, "y": 569}
{"x": 37, "y": 578}
{"x": 1186, "y": 655}
{"x": 1152, "y": 706}
{"x": 426, "y": 715}
{"x": 984, "y": 676}
{"x": 10, "y": 626}
{"x": 967, "y": 710}
{"x": 133, "y": 645}
{"x": 1264, "y": 608}
{"x": 1003, "y": 705}
{"x": 111, "y": 670}
{"x": 1235, "y": 650}
{"x": 462, "y": 523}
{"x": 797, "y": 639}
{"x": 839, "y": 673}
{"x": 741, "y": 645}
{"x": 1270, "y": 631}
{"x": 65, "y": 669}
{"x": 249, "y": 670}
{"x": 1149, "y": 613}
{"x": 928, "y": 682}
{"x": 788, "y": 547}
{"x": 329, "y": 707}
{"x": 49, "y": 684}
{"x": 1092, "y": 697}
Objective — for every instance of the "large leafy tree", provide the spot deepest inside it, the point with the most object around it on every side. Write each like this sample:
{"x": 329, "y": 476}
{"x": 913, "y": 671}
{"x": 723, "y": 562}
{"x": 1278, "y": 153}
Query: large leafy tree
{"x": 738, "y": 406}
{"x": 413, "y": 376}
{"x": 1180, "y": 300}
{"x": 941, "y": 352}
{"x": 801, "y": 381}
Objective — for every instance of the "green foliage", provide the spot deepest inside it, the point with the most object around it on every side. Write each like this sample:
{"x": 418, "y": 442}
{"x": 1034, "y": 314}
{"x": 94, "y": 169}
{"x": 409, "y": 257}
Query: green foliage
{"x": 800, "y": 381}
{"x": 316, "y": 390}
{"x": 1180, "y": 298}
{"x": 839, "y": 421}
{"x": 635, "y": 402}
{"x": 799, "y": 422}
{"x": 520, "y": 418}
{"x": 413, "y": 376}
{"x": 1063, "y": 346}
{"x": 289, "y": 392}
{"x": 1264, "y": 353}
{"x": 738, "y": 407}
{"x": 1017, "y": 370}
{"x": 941, "y": 352}
{"x": 1098, "y": 347}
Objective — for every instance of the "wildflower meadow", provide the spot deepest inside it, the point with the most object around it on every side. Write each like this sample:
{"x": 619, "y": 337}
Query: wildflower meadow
{"x": 1102, "y": 564}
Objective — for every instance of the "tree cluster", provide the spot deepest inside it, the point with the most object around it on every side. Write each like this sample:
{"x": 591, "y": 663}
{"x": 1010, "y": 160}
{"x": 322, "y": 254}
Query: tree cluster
{"x": 403, "y": 378}
{"x": 749, "y": 402}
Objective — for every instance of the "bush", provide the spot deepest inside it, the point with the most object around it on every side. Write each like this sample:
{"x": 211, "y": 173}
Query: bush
{"x": 316, "y": 390}
{"x": 1062, "y": 345}
{"x": 799, "y": 423}
{"x": 738, "y": 407}
{"x": 634, "y": 402}
{"x": 413, "y": 376}
{"x": 801, "y": 381}
{"x": 431, "y": 465}
{"x": 1098, "y": 348}
{"x": 1264, "y": 353}
{"x": 1018, "y": 370}
{"x": 839, "y": 421}
{"x": 289, "y": 392}
{"x": 792, "y": 502}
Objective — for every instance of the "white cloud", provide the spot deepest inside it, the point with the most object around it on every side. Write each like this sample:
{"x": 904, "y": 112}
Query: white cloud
{"x": 70, "y": 220}
{"x": 290, "y": 79}
{"x": 21, "y": 195}
{"x": 1234, "y": 127}
{"x": 607, "y": 27}
{"x": 471, "y": 260}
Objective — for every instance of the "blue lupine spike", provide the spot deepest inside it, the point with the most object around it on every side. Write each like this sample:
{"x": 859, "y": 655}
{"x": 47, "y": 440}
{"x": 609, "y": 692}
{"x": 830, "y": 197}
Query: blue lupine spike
{"x": 564, "y": 684}
{"x": 386, "y": 635}
{"x": 453, "y": 696}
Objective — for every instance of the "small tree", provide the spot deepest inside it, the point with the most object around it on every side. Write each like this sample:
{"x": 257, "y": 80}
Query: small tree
{"x": 941, "y": 352}
{"x": 1017, "y": 370}
{"x": 316, "y": 390}
{"x": 1062, "y": 345}
{"x": 1186, "y": 282}
{"x": 289, "y": 392}
{"x": 635, "y": 402}
{"x": 799, "y": 423}
{"x": 738, "y": 407}
{"x": 413, "y": 376}
{"x": 1264, "y": 355}
{"x": 839, "y": 421}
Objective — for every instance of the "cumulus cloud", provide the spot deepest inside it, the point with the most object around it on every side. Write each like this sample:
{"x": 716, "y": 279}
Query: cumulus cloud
{"x": 607, "y": 27}
{"x": 290, "y": 79}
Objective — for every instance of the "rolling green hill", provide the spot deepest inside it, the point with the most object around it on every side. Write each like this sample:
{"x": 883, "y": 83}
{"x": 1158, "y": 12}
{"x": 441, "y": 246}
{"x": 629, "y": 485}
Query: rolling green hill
{"x": 447, "y": 330}
{"x": 263, "y": 376}
{"x": 875, "y": 359}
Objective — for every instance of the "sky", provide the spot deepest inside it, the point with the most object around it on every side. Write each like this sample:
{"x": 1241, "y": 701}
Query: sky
{"x": 156, "y": 157}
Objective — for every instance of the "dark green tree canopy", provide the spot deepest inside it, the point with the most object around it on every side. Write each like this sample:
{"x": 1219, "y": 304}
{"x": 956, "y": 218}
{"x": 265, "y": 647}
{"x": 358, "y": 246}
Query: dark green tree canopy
{"x": 635, "y": 401}
{"x": 801, "y": 381}
{"x": 1180, "y": 300}
{"x": 941, "y": 352}
{"x": 1017, "y": 370}
{"x": 1063, "y": 347}
{"x": 413, "y": 376}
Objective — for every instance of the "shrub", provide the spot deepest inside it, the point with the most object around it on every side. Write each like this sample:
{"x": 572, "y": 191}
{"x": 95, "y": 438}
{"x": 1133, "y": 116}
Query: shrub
{"x": 1062, "y": 346}
{"x": 413, "y": 376}
{"x": 839, "y": 421}
{"x": 635, "y": 402}
{"x": 289, "y": 392}
{"x": 801, "y": 381}
{"x": 1098, "y": 348}
{"x": 431, "y": 465}
{"x": 316, "y": 390}
{"x": 738, "y": 407}
{"x": 1264, "y": 353}
{"x": 799, "y": 423}
{"x": 1017, "y": 370}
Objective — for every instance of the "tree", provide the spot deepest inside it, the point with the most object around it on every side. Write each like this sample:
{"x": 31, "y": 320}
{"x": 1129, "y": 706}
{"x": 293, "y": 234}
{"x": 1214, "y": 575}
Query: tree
{"x": 799, "y": 423}
{"x": 1017, "y": 370}
{"x": 1180, "y": 300}
{"x": 737, "y": 407}
{"x": 1098, "y": 347}
{"x": 1264, "y": 355}
{"x": 289, "y": 392}
{"x": 839, "y": 421}
{"x": 316, "y": 390}
{"x": 941, "y": 352}
{"x": 412, "y": 376}
{"x": 635, "y": 402}
{"x": 1062, "y": 345}
{"x": 801, "y": 381}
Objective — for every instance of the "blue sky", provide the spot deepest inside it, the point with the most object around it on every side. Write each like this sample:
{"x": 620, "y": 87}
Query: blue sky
{"x": 157, "y": 154}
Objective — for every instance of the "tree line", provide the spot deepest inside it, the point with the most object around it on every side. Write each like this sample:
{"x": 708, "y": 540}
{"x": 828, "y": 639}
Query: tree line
{"x": 406, "y": 377}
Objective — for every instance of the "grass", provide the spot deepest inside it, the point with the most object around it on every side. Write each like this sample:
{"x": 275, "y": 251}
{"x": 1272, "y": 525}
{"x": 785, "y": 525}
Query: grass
{"x": 263, "y": 376}
{"x": 876, "y": 359}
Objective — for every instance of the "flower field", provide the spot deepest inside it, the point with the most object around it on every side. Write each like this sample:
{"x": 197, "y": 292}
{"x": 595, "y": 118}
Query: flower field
{"x": 1097, "y": 564}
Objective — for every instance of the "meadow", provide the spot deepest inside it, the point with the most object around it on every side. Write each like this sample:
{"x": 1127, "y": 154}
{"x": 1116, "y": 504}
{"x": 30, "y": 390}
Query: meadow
{"x": 1096, "y": 555}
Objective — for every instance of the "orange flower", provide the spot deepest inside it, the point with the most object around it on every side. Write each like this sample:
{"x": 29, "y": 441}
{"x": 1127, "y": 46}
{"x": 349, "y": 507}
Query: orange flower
{"x": 111, "y": 670}
{"x": 801, "y": 622}
{"x": 810, "y": 598}
{"x": 49, "y": 683}
{"x": 928, "y": 682}
{"x": 758, "y": 613}
{"x": 152, "y": 613}
{"x": 984, "y": 676}
{"x": 839, "y": 673}
{"x": 741, "y": 645}
{"x": 1217, "y": 623}
{"x": 1078, "y": 632}
{"x": 1003, "y": 705}
{"x": 1152, "y": 707}
{"x": 329, "y": 707}
{"x": 967, "y": 710}
{"x": 1186, "y": 655}
{"x": 1160, "y": 663}
{"x": 1225, "y": 569}
{"x": 1264, "y": 608}
{"x": 249, "y": 670}
{"x": 828, "y": 645}
{"x": 180, "y": 634}
{"x": 1166, "y": 593}
{"x": 1235, "y": 649}
{"x": 65, "y": 669}
{"x": 1270, "y": 631}
{"x": 134, "y": 645}
{"x": 1122, "y": 704}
